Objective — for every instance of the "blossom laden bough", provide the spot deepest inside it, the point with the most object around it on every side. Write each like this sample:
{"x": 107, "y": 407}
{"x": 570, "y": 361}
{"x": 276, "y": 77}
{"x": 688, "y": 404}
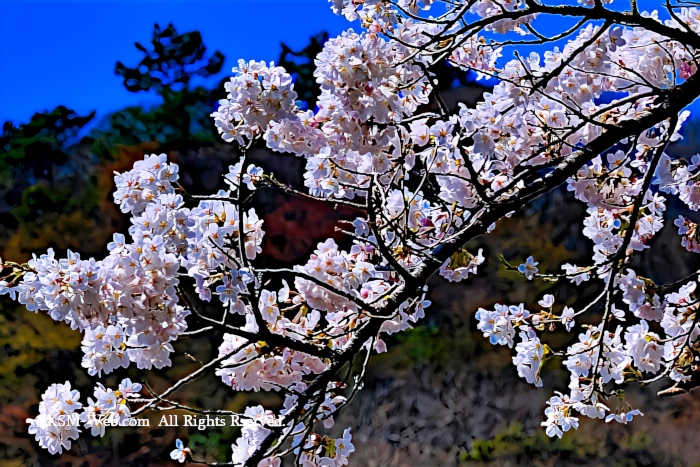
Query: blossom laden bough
{"x": 593, "y": 107}
{"x": 59, "y": 416}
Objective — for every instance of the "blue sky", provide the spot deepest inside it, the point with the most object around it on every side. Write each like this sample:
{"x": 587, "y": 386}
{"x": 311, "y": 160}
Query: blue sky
{"x": 63, "y": 51}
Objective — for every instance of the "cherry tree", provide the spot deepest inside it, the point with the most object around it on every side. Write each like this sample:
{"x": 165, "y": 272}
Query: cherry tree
{"x": 594, "y": 106}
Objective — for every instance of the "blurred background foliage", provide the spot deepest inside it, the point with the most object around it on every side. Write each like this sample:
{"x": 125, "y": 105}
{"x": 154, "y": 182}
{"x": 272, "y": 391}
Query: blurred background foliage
{"x": 442, "y": 395}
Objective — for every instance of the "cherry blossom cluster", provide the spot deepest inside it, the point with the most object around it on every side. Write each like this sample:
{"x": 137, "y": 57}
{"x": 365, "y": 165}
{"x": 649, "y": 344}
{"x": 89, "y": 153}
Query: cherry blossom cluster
{"x": 257, "y": 94}
{"x": 252, "y": 436}
{"x": 624, "y": 355}
{"x": 324, "y": 450}
{"x": 104, "y": 349}
{"x": 52, "y": 428}
{"x": 375, "y": 82}
{"x": 360, "y": 283}
{"x": 251, "y": 368}
{"x": 59, "y": 419}
{"x": 688, "y": 230}
{"x": 127, "y": 299}
{"x": 609, "y": 191}
{"x": 149, "y": 179}
{"x": 127, "y": 305}
{"x": 678, "y": 177}
{"x": 333, "y": 284}
{"x": 362, "y": 77}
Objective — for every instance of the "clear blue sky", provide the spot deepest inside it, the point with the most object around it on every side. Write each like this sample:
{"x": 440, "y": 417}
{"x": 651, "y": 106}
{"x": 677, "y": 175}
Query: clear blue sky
{"x": 63, "y": 51}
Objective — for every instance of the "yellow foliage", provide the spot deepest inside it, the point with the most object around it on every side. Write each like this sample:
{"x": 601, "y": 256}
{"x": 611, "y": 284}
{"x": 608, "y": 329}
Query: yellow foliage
{"x": 32, "y": 336}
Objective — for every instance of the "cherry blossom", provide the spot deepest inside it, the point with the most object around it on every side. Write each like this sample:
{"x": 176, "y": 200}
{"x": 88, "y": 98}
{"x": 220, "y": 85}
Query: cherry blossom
{"x": 594, "y": 108}
{"x": 180, "y": 452}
